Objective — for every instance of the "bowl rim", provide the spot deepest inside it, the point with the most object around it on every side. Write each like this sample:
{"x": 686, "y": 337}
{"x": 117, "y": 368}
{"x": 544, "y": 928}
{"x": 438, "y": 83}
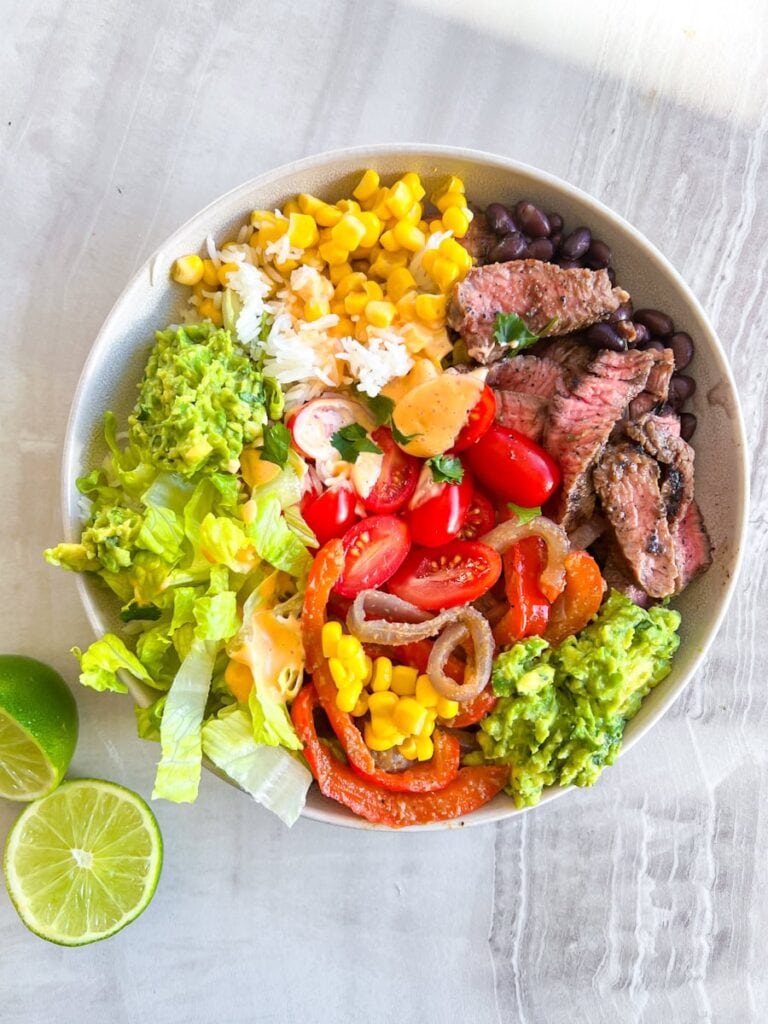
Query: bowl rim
{"x": 368, "y": 154}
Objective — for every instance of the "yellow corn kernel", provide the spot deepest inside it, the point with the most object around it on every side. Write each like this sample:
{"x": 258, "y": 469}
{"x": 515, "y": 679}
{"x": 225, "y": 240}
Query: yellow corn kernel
{"x": 415, "y": 187}
{"x": 348, "y": 206}
{"x": 209, "y": 311}
{"x": 382, "y": 675}
{"x": 429, "y": 725}
{"x": 351, "y": 282}
{"x": 355, "y": 303}
{"x": 198, "y": 289}
{"x": 349, "y": 232}
{"x": 435, "y": 226}
{"x": 367, "y": 187}
{"x": 255, "y": 470}
{"x": 417, "y": 337}
{"x": 210, "y": 275}
{"x": 444, "y": 273}
{"x": 308, "y": 203}
{"x": 431, "y": 307}
{"x": 425, "y": 748}
{"x": 339, "y": 271}
{"x": 384, "y": 263}
{"x": 404, "y": 680}
{"x": 447, "y": 708}
{"x": 224, "y": 271}
{"x": 187, "y": 270}
{"x": 383, "y": 727}
{"x": 361, "y": 707}
{"x": 406, "y": 306}
{"x": 330, "y": 637}
{"x": 347, "y": 647}
{"x": 449, "y": 184}
{"x": 333, "y": 254}
{"x": 345, "y": 327}
{"x": 315, "y": 308}
{"x": 400, "y": 281}
{"x": 388, "y": 241}
{"x": 259, "y": 217}
{"x": 368, "y": 669}
{"x": 338, "y": 673}
{"x": 324, "y": 214}
{"x": 373, "y": 290}
{"x": 361, "y": 330}
{"x": 408, "y": 236}
{"x": 346, "y": 698}
{"x": 456, "y": 253}
{"x": 372, "y": 226}
{"x": 271, "y": 231}
{"x": 428, "y": 259}
{"x": 409, "y": 717}
{"x": 413, "y": 216}
{"x": 449, "y": 199}
{"x": 399, "y": 200}
{"x": 290, "y": 207}
{"x": 426, "y": 694}
{"x": 408, "y": 748}
{"x": 286, "y": 266}
{"x": 380, "y": 313}
{"x": 456, "y": 220}
{"x": 302, "y": 230}
{"x": 378, "y": 742}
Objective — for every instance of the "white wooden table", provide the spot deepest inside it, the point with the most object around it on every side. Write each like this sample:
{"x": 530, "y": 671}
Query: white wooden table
{"x": 641, "y": 900}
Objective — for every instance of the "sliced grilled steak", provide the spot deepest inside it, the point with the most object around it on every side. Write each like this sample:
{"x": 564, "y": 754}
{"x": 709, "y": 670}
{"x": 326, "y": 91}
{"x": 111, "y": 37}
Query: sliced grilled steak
{"x": 581, "y": 417}
{"x": 586, "y": 534}
{"x": 480, "y": 238}
{"x": 525, "y": 413}
{"x": 660, "y": 438}
{"x": 530, "y": 375}
{"x": 538, "y": 292}
{"x": 693, "y": 548}
{"x": 657, "y": 384}
{"x": 617, "y": 577}
{"x": 627, "y": 481}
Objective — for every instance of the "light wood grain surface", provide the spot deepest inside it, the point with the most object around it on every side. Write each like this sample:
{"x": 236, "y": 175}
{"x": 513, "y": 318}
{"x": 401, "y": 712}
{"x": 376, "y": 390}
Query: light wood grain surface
{"x": 644, "y": 899}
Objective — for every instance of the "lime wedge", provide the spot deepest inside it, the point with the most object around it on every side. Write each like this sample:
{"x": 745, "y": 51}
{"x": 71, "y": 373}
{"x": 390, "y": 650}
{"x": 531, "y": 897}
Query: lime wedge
{"x": 84, "y": 862}
{"x": 38, "y": 728}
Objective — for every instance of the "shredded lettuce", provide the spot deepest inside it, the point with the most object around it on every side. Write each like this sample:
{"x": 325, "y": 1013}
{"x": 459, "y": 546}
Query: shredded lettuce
{"x": 102, "y": 661}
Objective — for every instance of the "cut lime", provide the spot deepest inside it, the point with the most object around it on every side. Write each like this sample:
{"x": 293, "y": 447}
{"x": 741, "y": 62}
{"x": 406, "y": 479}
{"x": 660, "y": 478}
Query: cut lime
{"x": 84, "y": 862}
{"x": 38, "y": 728}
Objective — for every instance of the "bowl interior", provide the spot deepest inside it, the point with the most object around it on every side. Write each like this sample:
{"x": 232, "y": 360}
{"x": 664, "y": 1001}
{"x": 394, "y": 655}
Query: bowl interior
{"x": 151, "y": 301}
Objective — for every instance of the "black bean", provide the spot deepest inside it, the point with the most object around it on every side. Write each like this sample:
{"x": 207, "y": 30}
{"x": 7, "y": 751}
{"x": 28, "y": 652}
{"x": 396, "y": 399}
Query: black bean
{"x": 658, "y": 323}
{"x": 654, "y": 343}
{"x": 500, "y": 219}
{"x": 604, "y": 336}
{"x": 681, "y": 344}
{"x": 643, "y": 335}
{"x": 598, "y": 255}
{"x": 540, "y": 249}
{"x": 576, "y": 244}
{"x": 570, "y": 264}
{"x": 622, "y": 312}
{"x": 555, "y": 222}
{"x": 557, "y": 240}
{"x": 687, "y": 425}
{"x": 532, "y": 220}
{"x": 513, "y": 247}
{"x": 681, "y": 388}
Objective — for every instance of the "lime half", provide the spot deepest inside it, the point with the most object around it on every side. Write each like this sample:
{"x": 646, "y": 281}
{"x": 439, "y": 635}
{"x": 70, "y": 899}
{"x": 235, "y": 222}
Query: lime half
{"x": 84, "y": 862}
{"x": 38, "y": 728}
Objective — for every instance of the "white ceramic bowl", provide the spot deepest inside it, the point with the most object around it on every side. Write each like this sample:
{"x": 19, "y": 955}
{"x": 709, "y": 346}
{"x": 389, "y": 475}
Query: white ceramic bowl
{"x": 151, "y": 301}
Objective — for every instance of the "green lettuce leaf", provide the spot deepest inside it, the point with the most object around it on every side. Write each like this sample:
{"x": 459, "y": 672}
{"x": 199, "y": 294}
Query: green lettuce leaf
{"x": 101, "y": 662}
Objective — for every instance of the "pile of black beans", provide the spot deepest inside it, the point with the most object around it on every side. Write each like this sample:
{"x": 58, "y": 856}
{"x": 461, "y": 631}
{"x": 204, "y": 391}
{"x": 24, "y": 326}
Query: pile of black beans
{"x": 525, "y": 232}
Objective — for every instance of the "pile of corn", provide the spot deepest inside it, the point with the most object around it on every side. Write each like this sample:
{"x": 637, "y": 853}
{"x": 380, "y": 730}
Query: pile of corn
{"x": 364, "y": 247}
{"x": 402, "y": 706}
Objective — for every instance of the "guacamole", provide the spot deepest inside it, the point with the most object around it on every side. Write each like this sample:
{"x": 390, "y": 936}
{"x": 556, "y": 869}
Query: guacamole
{"x": 562, "y": 712}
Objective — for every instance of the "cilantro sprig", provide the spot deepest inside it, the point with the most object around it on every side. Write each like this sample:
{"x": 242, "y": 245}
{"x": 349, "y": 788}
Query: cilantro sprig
{"x": 277, "y": 441}
{"x": 511, "y": 330}
{"x": 382, "y": 408}
{"x": 446, "y": 469}
{"x": 351, "y": 440}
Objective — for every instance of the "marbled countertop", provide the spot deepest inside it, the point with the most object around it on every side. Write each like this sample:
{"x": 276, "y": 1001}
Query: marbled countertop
{"x": 642, "y": 900}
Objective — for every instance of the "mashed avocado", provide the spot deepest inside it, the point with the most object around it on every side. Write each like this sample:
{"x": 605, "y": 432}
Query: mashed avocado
{"x": 200, "y": 401}
{"x": 562, "y": 711}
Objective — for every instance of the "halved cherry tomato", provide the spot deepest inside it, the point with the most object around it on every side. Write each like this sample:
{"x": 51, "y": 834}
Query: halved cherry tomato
{"x": 373, "y": 550}
{"x": 332, "y": 514}
{"x": 481, "y": 416}
{"x": 513, "y": 467}
{"x": 437, "y": 510}
{"x": 397, "y": 479}
{"x": 480, "y": 518}
{"x": 314, "y": 424}
{"x": 528, "y": 613}
{"x": 444, "y": 577}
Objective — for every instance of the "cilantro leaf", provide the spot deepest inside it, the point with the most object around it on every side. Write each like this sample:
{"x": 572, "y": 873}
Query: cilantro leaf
{"x": 446, "y": 469}
{"x": 277, "y": 441}
{"x": 382, "y": 409}
{"x": 401, "y": 438}
{"x": 351, "y": 440}
{"x": 524, "y": 515}
{"x": 511, "y": 330}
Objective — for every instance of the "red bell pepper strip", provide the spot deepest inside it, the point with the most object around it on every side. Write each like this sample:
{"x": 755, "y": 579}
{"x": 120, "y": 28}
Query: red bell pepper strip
{"x": 471, "y": 788}
{"x": 430, "y": 775}
{"x": 581, "y": 599}
{"x": 528, "y": 611}
{"x": 476, "y": 709}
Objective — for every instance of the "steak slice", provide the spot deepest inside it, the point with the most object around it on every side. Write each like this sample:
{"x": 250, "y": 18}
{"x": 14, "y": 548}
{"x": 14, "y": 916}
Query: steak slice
{"x": 660, "y": 375}
{"x": 549, "y": 299}
{"x": 530, "y": 375}
{"x": 524, "y": 413}
{"x": 693, "y": 548}
{"x": 480, "y": 239}
{"x": 627, "y": 481}
{"x": 581, "y": 417}
{"x": 618, "y": 577}
{"x": 660, "y": 438}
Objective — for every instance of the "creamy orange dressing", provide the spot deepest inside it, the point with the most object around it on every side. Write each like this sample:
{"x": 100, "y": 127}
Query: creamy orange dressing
{"x": 436, "y": 411}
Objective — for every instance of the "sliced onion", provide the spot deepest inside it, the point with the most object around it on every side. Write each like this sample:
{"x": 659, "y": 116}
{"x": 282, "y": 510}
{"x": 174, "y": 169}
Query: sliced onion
{"x": 505, "y": 535}
{"x": 474, "y": 628}
{"x": 403, "y": 623}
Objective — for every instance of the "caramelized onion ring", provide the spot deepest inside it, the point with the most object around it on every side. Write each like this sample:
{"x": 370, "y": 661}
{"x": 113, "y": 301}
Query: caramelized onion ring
{"x": 472, "y": 627}
{"x": 411, "y": 623}
{"x": 506, "y": 534}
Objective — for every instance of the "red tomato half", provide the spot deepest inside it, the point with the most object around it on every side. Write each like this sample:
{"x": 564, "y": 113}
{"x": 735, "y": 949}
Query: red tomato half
{"x": 437, "y": 510}
{"x": 481, "y": 416}
{"x": 513, "y": 468}
{"x": 332, "y": 514}
{"x": 397, "y": 479}
{"x": 448, "y": 576}
{"x": 480, "y": 518}
{"x": 374, "y": 549}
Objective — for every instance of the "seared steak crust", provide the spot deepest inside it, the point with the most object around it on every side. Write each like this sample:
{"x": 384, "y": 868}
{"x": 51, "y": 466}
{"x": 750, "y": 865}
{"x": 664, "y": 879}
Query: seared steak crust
{"x": 693, "y": 548}
{"x": 661, "y": 439}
